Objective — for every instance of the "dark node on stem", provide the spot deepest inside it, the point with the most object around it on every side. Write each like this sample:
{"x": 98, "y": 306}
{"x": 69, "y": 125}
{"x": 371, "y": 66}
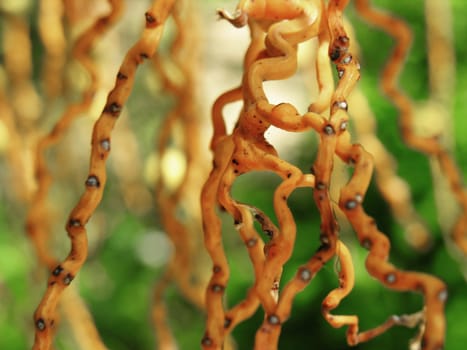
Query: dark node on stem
{"x": 304, "y": 274}
{"x": 235, "y": 161}
{"x": 320, "y": 185}
{"x": 103, "y": 21}
{"x": 443, "y": 295}
{"x": 324, "y": 247}
{"x": 259, "y": 218}
{"x": 114, "y": 109}
{"x": 68, "y": 278}
{"x": 324, "y": 238}
{"x": 289, "y": 175}
{"x": 390, "y": 278}
{"x": 151, "y": 21}
{"x": 40, "y": 324}
{"x": 74, "y": 223}
{"x": 251, "y": 242}
{"x": 325, "y": 242}
{"x": 359, "y": 198}
{"x": 227, "y": 322}
{"x": 347, "y": 59}
{"x": 217, "y": 288}
{"x": 366, "y": 243}
{"x": 340, "y": 73}
{"x": 339, "y": 47}
{"x": 351, "y": 204}
{"x": 206, "y": 341}
{"x": 121, "y": 76}
{"x": 328, "y": 129}
{"x": 269, "y": 233}
{"x": 335, "y": 54}
{"x": 344, "y": 40}
{"x": 216, "y": 269}
{"x": 341, "y": 105}
{"x": 143, "y": 55}
{"x": 236, "y": 222}
{"x": 92, "y": 181}
{"x": 274, "y": 320}
{"x": 105, "y": 144}
{"x": 57, "y": 271}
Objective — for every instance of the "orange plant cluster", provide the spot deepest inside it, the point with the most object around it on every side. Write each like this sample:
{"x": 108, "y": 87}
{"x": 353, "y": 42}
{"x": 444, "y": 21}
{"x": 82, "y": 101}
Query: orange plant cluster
{"x": 277, "y": 28}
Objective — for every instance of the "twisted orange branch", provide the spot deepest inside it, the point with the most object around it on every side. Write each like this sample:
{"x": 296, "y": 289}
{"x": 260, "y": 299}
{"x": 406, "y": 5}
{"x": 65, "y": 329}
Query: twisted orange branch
{"x": 247, "y": 150}
{"x": 36, "y": 223}
{"x": 184, "y": 231}
{"x": 65, "y": 272}
{"x": 346, "y": 284}
{"x": 428, "y": 145}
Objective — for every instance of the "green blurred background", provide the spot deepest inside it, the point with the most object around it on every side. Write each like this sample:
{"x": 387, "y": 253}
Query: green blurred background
{"x": 118, "y": 279}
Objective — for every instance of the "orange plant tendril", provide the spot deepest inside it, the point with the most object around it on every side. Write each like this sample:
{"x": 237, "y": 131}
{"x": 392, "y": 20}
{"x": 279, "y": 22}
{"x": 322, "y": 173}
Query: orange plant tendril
{"x": 431, "y": 146}
{"x": 36, "y": 224}
{"x": 393, "y": 188}
{"x": 276, "y": 29}
{"x": 194, "y": 199}
{"x": 64, "y": 273}
{"x": 178, "y": 204}
{"x": 81, "y": 50}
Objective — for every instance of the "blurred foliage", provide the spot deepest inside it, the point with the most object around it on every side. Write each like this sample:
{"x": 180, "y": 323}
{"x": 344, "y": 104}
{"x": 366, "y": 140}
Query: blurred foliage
{"x": 117, "y": 283}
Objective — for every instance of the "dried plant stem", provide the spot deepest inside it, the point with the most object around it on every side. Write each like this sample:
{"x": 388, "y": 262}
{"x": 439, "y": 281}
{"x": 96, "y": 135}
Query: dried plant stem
{"x": 36, "y": 222}
{"x": 183, "y": 230}
{"x": 428, "y": 145}
{"x": 64, "y": 273}
{"x": 246, "y": 150}
{"x": 53, "y": 37}
{"x": 80, "y": 321}
{"x": 394, "y": 189}
{"x": 21, "y": 100}
{"x": 12, "y": 147}
{"x": 442, "y": 73}
{"x": 23, "y": 95}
